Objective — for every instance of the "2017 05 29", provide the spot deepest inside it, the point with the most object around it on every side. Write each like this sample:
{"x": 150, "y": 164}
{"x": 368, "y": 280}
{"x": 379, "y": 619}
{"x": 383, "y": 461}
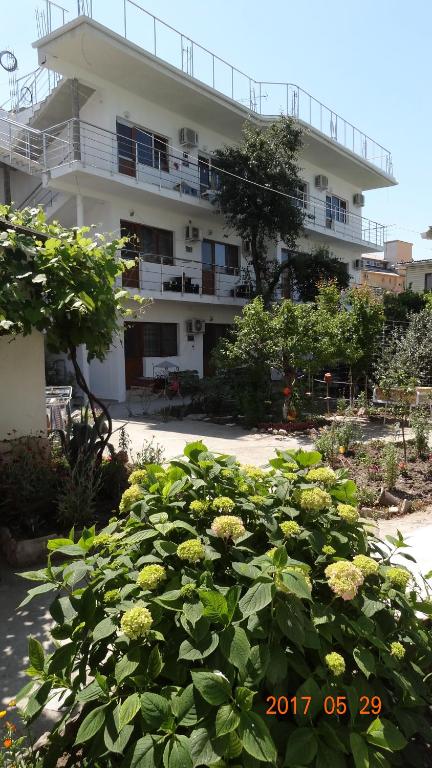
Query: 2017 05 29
{"x": 332, "y": 705}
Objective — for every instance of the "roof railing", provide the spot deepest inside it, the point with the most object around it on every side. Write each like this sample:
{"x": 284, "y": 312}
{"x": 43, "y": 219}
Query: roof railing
{"x": 261, "y": 97}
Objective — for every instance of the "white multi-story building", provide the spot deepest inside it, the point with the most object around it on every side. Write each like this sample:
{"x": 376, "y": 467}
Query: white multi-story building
{"x": 121, "y": 135}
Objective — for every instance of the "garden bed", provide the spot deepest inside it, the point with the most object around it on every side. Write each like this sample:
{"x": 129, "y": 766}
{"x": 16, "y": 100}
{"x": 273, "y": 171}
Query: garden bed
{"x": 291, "y": 426}
{"x": 414, "y": 477}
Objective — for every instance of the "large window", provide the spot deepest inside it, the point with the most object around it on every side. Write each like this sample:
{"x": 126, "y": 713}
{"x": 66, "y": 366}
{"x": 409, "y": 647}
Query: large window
{"x": 221, "y": 257}
{"x": 135, "y": 145}
{"x": 146, "y": 244}
{"x": 159, "y": 339}
{"x": 428, "y": 281}
{"x": 336, "y": 210}
{"x": 302, "y": 194}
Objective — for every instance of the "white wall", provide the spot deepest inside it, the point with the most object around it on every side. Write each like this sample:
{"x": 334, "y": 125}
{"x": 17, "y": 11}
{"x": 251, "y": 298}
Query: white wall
{"x": 22, "y": 386}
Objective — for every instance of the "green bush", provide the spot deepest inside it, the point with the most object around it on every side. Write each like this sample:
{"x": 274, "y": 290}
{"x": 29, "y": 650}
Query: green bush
{"x": 221, "y": 587}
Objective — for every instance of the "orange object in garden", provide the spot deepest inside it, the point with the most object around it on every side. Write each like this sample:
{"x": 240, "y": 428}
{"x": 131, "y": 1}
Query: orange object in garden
{"x": 328, "y": 377}
{"x": 287, "y": 391}
{"x": 342, "y": 449}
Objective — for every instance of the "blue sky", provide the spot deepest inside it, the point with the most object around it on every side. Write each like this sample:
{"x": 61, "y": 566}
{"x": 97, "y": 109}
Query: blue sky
{"x": 369, "y": 61}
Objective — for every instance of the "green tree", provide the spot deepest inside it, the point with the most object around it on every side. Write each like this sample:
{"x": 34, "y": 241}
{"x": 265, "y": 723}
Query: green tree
{"x": 399, "y": 306}
{"x": 62, "y": 282}
{"x": 306, "y": 271}
{"x": 265, "y": 160}
{"x": 360, "y": 327}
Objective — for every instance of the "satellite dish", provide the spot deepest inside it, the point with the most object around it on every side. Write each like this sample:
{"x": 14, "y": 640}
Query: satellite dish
{"x": 26, "y": 97}
{"x": 8, "y": 61}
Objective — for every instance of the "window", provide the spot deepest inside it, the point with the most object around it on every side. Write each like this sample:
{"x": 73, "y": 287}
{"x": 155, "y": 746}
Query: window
{"x": 287, "y": 287}
{"x": 336, "y": 210}
{"x": 220, "y": 257}
{"x": 159, "y": 339}
{"x": 428, "y": 281}
{"x": 149, "y": 243}
{"x": 302, "y": 195}
{"x": 137, "y": 145}
{"x": 208, "y": 176}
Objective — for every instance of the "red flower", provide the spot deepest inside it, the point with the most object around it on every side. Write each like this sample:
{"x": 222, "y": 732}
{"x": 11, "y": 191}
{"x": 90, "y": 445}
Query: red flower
{"x": 7, "y": 743}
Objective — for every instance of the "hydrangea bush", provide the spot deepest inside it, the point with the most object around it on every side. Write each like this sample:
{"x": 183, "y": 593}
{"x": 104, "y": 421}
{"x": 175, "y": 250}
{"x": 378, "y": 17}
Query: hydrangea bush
{"x": 218, "y": 587}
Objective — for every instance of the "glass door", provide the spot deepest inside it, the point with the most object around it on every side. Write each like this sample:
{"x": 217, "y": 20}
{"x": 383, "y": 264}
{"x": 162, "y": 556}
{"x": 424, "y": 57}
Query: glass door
{"x": 208, "y": 267}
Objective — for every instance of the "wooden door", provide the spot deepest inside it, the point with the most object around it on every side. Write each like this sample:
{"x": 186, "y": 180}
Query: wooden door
{"x": 126, "y": 149}
{"x": 133, "y": 351}
{"x": 208, "y": 268}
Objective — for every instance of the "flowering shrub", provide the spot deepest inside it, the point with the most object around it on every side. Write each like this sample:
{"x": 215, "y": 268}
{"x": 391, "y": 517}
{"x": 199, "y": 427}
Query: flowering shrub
{"x": 173, "y": 631}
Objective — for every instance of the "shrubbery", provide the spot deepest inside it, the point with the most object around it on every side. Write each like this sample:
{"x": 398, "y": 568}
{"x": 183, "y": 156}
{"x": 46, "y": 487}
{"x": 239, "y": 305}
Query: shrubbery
{"x": 221, "y": 586}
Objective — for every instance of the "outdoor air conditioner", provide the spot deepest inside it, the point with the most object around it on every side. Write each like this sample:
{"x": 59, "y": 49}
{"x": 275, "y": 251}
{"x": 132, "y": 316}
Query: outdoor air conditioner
{"x": 188, "y": 137}
{"x": 195, "y": 326}
{"x": 321, "y": 181}
{"x": 359, "y": 199}
{"x": 192, "y": 234}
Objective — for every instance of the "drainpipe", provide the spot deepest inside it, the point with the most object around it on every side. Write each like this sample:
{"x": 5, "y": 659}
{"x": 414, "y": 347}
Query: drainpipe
{"x": 82, "y": 349}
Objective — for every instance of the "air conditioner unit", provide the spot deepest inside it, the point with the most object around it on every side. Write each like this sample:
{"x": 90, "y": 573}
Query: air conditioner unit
{"x": 195, "y": 326}
{"x": 321, "y": 182}
{"x": 188, "y": 137}
{"x": 192, "y": 234}
{"x": 359, "y": 199}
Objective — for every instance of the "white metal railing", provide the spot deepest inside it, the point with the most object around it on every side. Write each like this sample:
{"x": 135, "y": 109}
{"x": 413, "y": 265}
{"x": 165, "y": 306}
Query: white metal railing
{"x": 185, "y": 277}
{"x": 30, "y": 90}
{"x": 139, "y": 26}
{"x": 77, "y": 141}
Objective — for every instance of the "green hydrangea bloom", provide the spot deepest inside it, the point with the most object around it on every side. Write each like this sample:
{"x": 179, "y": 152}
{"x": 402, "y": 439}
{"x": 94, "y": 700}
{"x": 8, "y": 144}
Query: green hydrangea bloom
{"x": 344, "y": 579}
{"x": 398, "y": 577}
{"x": 328, "y": 550}
{"x": 254, "y": 473}
{"x": 101, "y": 540}
{"x": 257, "y": 500}
{"x": 335, "y": 663}
{"x": 130, "y": 497}
{"x": 111, "y": 596}
{"x": 151, "y": 576}
{"x": 366, "y": 564}
{"x": 223, "y": 504}
{"x": 191, "y": 550}
{"x": 228, "y": 527}
{"x": 290, "y": 528}
{"x": 227, "y": 473}
{"x": 188, "y": 590}
{"x": 138, "y": 477}
{"x": 323, "y": 475}
{"x": 397, "y": 650}
{"x": 314, "y": 499}
{"x": 198, "y": 507}
{"x": 290, "y": 475}
{"x": 290, "y": 467}
{"x": 242, "y": 486}
{"x": 348, "y": 513}
{"x": 136, "y": 622}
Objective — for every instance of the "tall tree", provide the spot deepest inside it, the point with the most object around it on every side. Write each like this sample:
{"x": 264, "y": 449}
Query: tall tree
{"x": 258, "y": 190}
{"x": 307, "y": 271}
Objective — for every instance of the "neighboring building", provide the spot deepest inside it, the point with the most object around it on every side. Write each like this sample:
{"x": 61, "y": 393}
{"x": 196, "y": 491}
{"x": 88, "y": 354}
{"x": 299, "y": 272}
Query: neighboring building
{"x": 124, "y": 139}
{"x": 22, "y": 387}
{"x": 418, "y": 275}
{"x": 385, "y": 271}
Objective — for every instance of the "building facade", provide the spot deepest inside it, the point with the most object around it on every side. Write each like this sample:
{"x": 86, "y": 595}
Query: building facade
{"x": 123, "y": 140}
{"x": 385, "y": 271}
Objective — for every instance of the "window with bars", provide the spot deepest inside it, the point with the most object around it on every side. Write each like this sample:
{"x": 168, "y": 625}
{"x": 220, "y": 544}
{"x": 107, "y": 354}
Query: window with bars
{"x": 159, "y": 339}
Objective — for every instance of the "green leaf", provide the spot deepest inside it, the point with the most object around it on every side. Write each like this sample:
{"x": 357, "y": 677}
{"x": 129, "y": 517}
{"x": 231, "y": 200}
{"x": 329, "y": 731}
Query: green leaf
{"x": 155, "y": 663}
{"x": 128, "y": 709}
{"x": 213, "y": 686}
{"x": 235, "y": 646}
{"x": 329, "y": 758}
{"x": 91, "y": 692}
{"x": 36, "y": 654}
{"x": 307, "y": 458}
{"x": 127, "y": 665}
{"x": 227, "y": 719}
{"x": 199, "y": 649}
{"x": 244, "y": 569}
{"x": 201, "y": 748}
{"x": 54, "y": 544}
{"x": 116, "y": 739}
{"x": 311, "y": 689}
{"x": 142, "y": 755}
{"x": 91, "y": 724}
{"x": 256, "y": 738}
{"x": 37, "y": 701}
{"x": 302, "y": 747}
{"x": 297, "y": 584}
{"x": 193, "y": 450}
{"x": 256, "y": 598}
{"x": 244, "y": 697}
{"x": 177, "y": 753}
{"x": 155, "y": 709}
{"x": 104, "y": 629}
{"x": 359, "y": 751}
{"x": 382, "y": 733}
{"x": 40, "y": 590}
{"x": 215, "y": 605}
{"x": 365, "y": 661}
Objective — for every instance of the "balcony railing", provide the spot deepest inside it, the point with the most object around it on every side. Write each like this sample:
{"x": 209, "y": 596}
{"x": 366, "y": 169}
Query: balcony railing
{"x": 76, "y": 142}
{"x": 189, "y": 278}
{"x": 265, "y": 98}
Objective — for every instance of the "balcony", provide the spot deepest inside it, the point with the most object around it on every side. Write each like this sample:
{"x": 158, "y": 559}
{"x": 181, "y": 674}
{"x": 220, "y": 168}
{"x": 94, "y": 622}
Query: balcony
{"x": 184, "y": 279}
{"x": 76, "y": 147}
{"x": 162, "y": 42}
